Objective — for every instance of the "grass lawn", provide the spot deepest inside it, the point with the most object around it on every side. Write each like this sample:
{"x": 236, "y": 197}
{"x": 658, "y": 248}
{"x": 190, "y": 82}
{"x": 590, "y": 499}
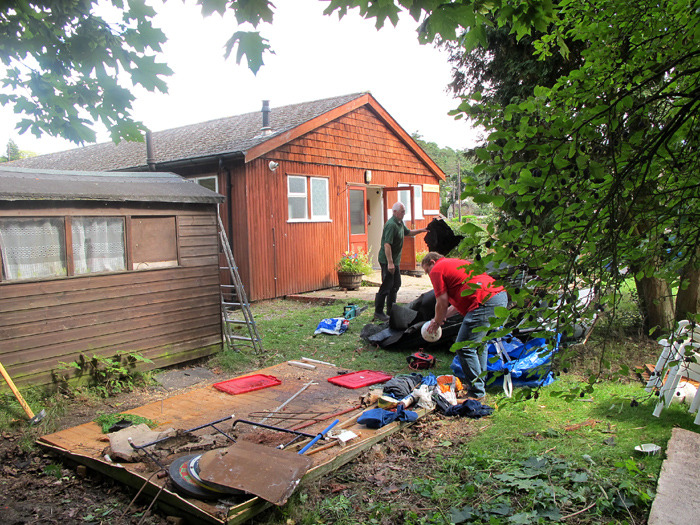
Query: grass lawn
{"x": 562, "y": 453}
{"x": 565, "y": 452}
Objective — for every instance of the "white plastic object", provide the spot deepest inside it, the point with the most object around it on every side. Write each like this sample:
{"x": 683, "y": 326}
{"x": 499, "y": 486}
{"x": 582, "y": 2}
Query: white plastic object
{"x": 430, "y": 337}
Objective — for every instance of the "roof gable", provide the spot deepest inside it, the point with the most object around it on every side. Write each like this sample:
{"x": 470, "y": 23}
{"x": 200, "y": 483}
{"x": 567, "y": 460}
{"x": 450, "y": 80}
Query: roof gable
{"x": 237, "y": 136}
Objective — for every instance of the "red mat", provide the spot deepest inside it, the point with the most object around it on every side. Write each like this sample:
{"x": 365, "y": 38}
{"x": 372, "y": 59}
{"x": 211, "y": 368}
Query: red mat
{"x": 241, "y": 385}
{"x": 360, "y": 379}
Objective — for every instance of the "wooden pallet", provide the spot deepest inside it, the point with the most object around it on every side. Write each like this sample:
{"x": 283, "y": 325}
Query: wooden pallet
{"x": 85, "y": 444}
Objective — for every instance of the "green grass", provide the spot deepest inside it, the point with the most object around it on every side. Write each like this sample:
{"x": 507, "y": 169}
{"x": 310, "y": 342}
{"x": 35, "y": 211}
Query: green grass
{"x": 566, "y": 450}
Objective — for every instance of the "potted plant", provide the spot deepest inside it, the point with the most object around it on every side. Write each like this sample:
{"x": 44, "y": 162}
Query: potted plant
{"x": 351, "y": 267}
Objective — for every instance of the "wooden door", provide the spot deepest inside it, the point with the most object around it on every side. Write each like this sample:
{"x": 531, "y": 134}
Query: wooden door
{"x": 357, "y": 217}
{"x": 408, "y": 253}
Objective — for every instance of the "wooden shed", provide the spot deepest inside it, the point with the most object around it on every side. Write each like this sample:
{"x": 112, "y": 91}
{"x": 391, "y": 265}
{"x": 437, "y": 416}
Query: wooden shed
{"x": 303, "y": 183}
{"x": 105, "y": 264}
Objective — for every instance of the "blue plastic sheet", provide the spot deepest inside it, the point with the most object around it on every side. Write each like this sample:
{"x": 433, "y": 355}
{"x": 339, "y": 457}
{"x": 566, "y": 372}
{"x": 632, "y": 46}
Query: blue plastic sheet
{"x": 332, "y": 326}
{"x": 529, "y": 364}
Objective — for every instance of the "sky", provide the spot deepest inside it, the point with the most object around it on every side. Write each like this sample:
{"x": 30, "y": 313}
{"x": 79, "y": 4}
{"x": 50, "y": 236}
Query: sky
{"x": 316, "y": 57}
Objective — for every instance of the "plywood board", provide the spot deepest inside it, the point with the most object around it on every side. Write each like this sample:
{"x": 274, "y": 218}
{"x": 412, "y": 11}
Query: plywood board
{"x": 86, "y": 443}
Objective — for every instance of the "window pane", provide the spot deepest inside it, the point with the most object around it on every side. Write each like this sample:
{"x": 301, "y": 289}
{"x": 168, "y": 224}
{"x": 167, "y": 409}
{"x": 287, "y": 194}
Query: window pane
{"x": 405, "y": 199}
{"x": 297, "y": 185}
{"x": 208, "y": 182}
{"x": 357, "y": 212}
{"x": 319, "y": 199}
{"x": 33, "y": 248}
{"x": 297, "y": 207}
{"x": 98, "y": 244}
{"x": 418, "y": 195}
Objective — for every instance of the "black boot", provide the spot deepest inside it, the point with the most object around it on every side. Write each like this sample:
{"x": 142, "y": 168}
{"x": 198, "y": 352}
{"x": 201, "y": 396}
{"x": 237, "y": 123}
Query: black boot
{"x": 390, "y": 301}
{"x": 379, "y": 314}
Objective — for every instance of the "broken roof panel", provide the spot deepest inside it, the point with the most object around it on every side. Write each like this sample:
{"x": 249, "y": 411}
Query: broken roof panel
{"x": 21, "y": 184}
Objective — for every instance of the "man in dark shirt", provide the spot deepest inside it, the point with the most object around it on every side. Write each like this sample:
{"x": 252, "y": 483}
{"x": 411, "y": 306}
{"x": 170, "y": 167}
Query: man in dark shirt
{"x": 390, "y": 260}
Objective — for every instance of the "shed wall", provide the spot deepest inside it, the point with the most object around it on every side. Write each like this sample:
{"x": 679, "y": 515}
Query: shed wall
{"x": 168, "y": 315}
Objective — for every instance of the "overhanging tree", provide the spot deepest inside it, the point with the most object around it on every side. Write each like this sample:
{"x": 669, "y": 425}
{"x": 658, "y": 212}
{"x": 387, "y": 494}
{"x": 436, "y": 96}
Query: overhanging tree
{"x": 70, "y": 63}
{"x": 601, "y": 169}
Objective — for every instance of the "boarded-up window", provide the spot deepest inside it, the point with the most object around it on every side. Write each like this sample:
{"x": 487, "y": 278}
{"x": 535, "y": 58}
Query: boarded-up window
{"x": 153, "y": 242}
{"x": 32, "y": 248}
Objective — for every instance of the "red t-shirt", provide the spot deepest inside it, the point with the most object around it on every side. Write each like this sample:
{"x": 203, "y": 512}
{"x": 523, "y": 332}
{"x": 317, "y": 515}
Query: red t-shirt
{"x": 447, "y": 276}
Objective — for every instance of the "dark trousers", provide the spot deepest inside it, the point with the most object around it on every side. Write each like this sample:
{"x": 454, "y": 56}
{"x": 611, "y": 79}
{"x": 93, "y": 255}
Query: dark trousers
{"x": 391, "y": 282}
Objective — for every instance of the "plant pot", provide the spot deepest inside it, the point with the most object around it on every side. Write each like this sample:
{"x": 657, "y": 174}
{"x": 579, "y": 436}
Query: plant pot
{"x": 349, "y": 280}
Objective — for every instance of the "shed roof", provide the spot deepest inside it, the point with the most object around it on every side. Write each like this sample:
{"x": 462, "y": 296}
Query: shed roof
{"x": 238, "y": 136}
{"x": 21, "y": 184}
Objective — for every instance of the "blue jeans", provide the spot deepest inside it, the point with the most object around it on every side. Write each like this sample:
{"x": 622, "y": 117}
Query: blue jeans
{"x": 473, "y": 359}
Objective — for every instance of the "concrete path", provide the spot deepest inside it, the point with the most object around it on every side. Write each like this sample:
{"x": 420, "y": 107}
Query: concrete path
{"x": 411, "y": 287}
{"x": 678, "y": 492}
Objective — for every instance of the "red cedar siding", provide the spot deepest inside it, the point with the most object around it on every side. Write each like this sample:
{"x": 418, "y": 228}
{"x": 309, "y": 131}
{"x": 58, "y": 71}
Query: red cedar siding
{"x": 169, "y": 315}
{"x": 302, "y": 256}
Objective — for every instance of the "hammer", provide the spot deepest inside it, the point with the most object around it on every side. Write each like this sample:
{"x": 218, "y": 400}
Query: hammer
{"x": 33, "y": 419}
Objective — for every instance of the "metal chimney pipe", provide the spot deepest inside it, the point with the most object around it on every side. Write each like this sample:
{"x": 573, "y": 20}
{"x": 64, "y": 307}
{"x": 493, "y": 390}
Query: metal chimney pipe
{"x": 266, "y": 129}
{"x": 150, "y": 159}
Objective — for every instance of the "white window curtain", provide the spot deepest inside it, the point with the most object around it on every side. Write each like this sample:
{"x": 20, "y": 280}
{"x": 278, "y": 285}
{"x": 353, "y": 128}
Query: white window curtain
{"x": 319, "y": 199}
{"x": 32, "y": 248}
{"x": 98, "y": 244}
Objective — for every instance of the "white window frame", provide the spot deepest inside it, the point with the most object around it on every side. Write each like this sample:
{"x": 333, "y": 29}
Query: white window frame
{"x": 199, "y": 181}
{"x": 312, "y": 199}
{"x": 405, "y": 198}
{"x": 309, "y": 198}
{"x": 298, "y": 195}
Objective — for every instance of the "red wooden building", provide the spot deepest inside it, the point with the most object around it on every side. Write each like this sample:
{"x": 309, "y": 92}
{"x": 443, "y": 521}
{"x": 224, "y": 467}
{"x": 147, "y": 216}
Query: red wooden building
{"x": 303, "y": 183}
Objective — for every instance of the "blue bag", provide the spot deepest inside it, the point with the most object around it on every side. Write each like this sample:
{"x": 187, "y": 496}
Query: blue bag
{"x": 332, "y": 326}
{"x": 514, "y": 363}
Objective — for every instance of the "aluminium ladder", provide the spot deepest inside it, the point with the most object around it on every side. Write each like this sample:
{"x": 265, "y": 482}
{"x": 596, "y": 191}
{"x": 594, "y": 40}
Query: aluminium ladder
{"x": 235, "y": 309}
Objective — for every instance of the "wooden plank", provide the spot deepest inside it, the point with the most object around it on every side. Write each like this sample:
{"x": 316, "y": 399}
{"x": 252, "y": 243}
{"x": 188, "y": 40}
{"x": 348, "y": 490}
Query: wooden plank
{"x": 108, "y": 344}
{"x": 98, "y": 281}
{"x": 202, "y": 405}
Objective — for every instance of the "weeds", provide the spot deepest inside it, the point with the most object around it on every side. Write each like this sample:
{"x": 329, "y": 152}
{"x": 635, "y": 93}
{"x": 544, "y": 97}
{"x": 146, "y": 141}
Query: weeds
{"x": 107, "y": 375}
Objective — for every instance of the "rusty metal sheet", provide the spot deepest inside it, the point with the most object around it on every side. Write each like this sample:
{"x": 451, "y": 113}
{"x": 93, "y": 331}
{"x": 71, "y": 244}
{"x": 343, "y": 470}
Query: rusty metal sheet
{"x": 267, "y": 472}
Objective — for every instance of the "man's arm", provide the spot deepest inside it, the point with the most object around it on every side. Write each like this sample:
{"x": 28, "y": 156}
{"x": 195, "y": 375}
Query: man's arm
{"x": 413, "y": 233}
{"x": 389, "y": 257}
{"x": 442, "y": 304}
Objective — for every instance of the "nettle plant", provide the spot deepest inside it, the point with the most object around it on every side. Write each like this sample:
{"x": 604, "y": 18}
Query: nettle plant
{"x": 107, "y": 375}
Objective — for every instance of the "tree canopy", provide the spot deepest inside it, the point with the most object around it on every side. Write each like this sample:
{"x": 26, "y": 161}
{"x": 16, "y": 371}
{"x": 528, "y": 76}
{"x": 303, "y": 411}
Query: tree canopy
{"x": 71, "y": 63}
{"x": 599, "y": 171}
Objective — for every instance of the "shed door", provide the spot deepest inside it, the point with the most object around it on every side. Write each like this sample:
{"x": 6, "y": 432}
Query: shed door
{"x": 357, "y": 212}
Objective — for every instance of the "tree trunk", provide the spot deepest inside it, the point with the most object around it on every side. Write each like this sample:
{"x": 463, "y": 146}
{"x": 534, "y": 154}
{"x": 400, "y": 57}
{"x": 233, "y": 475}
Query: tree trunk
{"x": 688, "y": 298}
{"x": 657, "y": 304}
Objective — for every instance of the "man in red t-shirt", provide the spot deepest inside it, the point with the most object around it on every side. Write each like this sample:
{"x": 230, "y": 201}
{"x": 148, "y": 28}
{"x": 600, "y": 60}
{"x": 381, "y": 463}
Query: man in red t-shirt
{"x": 473, "y": 296}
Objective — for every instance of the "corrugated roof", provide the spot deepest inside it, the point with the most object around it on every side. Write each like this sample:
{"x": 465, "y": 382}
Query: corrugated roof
{"x": 21, "y": 184}
{"x": 225, "y": 136}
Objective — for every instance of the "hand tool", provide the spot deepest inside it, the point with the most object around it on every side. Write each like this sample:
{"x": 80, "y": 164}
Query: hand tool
{"x": 33, "y": 419}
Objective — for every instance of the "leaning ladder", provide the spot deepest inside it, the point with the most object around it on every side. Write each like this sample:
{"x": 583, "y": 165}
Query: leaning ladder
{"x": 235, "y": 309}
